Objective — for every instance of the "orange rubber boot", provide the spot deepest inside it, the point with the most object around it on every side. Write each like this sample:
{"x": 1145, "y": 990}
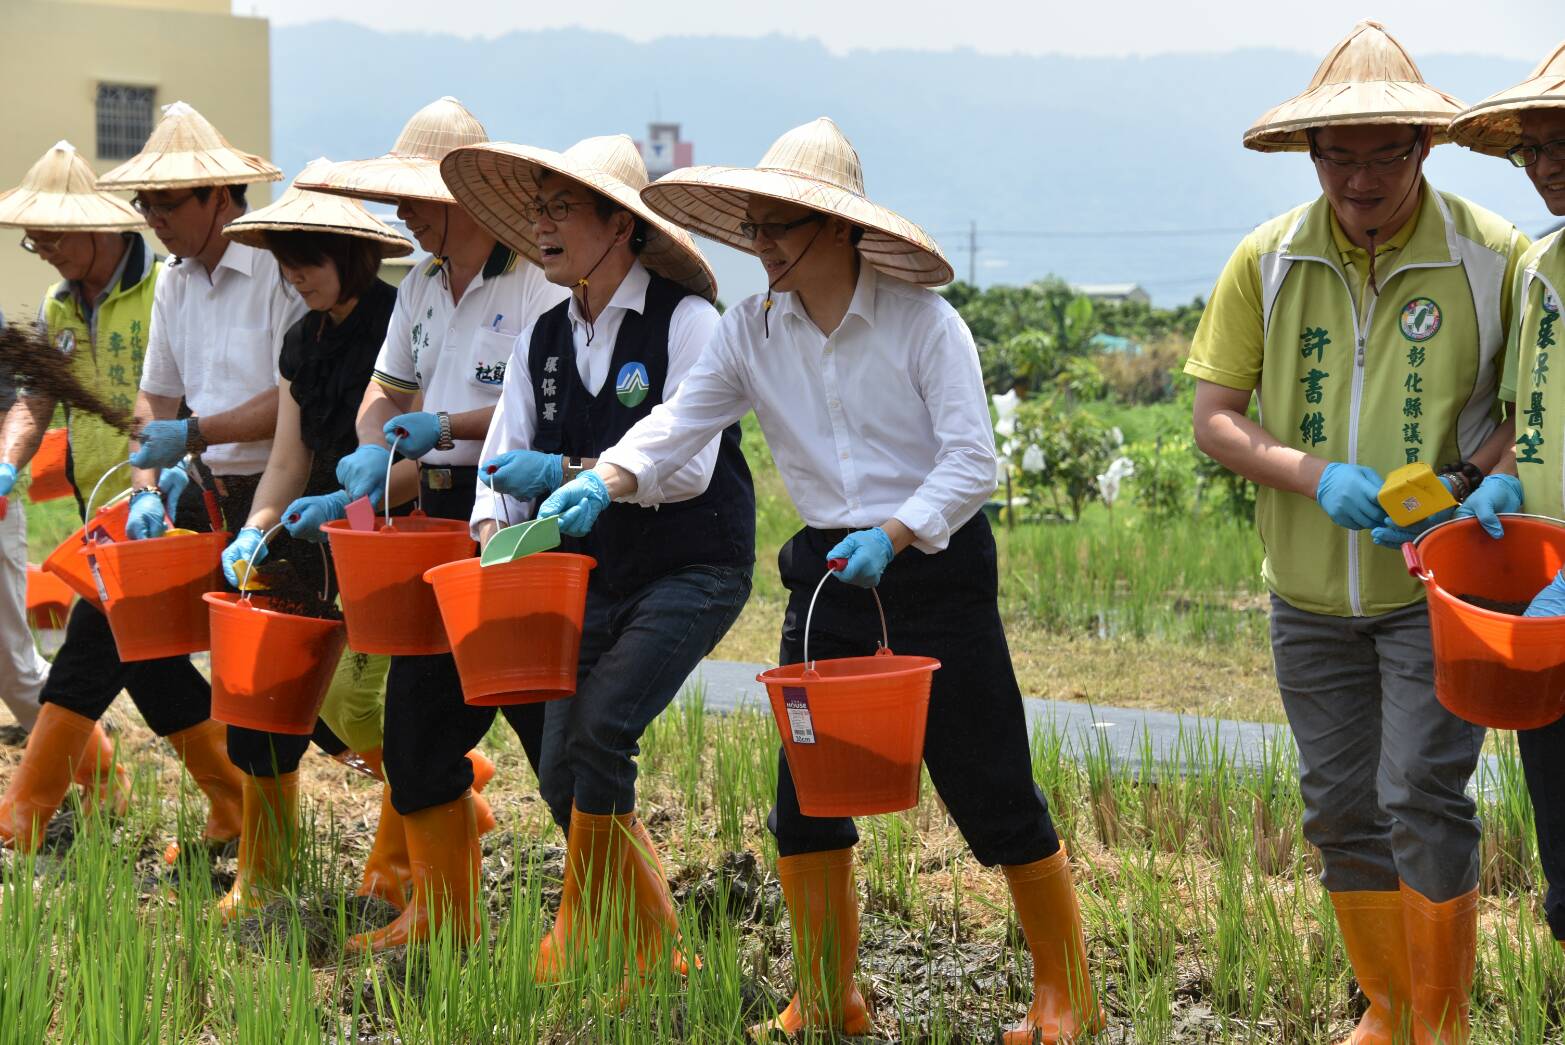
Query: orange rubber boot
{"x": 595, "y": 876}
{"x": 266, "y": 843}
{"x": 483, "y": 772}
{"x": 1065, "y": 1007}
{"x": 1375, "y": 938}
{"x": 203, "y": 748}
{"x": 443, "y": 851}
{"x": 104, "y": 782}
{"x": 54, "y": 752}
{"x": 388, "y": 873}
{"x": 823, "y": 906}
{"x": 1442, "y": 942}
{"x": 656, "y": 923}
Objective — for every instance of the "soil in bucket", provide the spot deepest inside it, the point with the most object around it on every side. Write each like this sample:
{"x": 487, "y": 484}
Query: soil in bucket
{"x": 1510, "y": 609}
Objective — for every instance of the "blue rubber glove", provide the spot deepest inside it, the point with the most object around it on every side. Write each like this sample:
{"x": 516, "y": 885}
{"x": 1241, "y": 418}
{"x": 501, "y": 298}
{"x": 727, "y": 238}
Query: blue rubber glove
{"x": 1390, "y": 535}
{"x": 7, "y": 479}
{"x": 420, "y": 432}
{"x": 172, "y": 481}
{"x": 1550, "y": 602}
{"x": 162, "y": 444}
{"x": 1347, "y": 493}
{"x": 363, "y": 473}
{"x": 868, "y": 552}
{"x": 305, "y": 517}
{"x": 251, "y": 541}
{"x": 146, "y": 517}
{"x": 578, "y": 504}
{"x": 1496, "y": 494}
{"x": 523, "y": 474}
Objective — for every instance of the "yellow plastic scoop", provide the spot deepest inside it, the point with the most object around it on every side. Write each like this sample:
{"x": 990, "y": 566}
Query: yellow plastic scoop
{"x": 1413, "y": 493}
{"x": 176, "y": 531}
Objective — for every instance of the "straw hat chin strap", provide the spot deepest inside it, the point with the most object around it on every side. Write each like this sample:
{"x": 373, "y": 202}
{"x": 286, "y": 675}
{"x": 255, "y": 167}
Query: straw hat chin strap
{"x": 1418, "y": 177}
{"x": 586, "y": 309}
{"x": 766, "y": 306}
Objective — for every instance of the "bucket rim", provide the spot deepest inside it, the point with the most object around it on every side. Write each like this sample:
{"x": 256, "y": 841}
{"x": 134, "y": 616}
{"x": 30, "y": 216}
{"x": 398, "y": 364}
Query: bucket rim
{"x": 446, "y": 528}
{"x": 769, "y": 676}
{"x": 1412, "y": 552}
{"x": 501, "y": 569}
{"x": 232, "y": 600}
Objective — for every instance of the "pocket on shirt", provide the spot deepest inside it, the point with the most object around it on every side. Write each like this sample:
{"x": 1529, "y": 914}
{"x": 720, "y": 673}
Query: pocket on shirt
{"x": 489, "y": 359}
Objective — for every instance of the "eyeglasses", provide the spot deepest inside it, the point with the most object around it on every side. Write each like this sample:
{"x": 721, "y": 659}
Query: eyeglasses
{"x": 41, "y": 246}
{"x": 1388, "y": 165}
{"x": 774, "y": 230}
{"x": 1527, "y": 155}
{"x": 148, "y": 209}
{"x": 557, "y": 210}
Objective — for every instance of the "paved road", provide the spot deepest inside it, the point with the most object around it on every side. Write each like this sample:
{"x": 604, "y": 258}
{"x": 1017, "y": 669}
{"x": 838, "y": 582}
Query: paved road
{"x": 1130, "y": 736}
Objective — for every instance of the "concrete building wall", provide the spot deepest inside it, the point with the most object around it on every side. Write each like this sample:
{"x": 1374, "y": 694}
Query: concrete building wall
{"x": 55, "y": 53}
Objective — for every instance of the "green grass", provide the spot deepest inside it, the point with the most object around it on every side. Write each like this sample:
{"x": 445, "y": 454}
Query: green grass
{"x": 1204, "y": 918}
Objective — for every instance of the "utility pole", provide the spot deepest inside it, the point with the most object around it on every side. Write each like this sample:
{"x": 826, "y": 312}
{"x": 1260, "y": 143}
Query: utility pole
{"x": 972, "y": 253}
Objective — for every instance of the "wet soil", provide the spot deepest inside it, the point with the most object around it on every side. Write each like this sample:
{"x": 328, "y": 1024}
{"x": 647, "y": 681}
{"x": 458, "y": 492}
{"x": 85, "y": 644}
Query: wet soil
{"x": 1513, "y": 609}
{"x": 321, "y": 918}
{"x": 12, "y": 735}
{"x": 32, "y": 362}
{"x": 287, "y": 592}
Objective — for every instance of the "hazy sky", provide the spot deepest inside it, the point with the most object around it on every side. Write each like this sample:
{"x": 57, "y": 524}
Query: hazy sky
{"x": 1524, "y": 29}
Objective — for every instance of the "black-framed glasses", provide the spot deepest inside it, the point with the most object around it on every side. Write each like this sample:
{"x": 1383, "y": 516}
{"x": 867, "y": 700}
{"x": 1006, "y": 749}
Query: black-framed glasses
{"x": 1527, "y": 155}
{"x": 557, "y": 210}
{"x": 147, "y": 209}
{"x": 34, "y": 245}
{"x": 775, "y": 230}
{"x": 1385, "y": 165}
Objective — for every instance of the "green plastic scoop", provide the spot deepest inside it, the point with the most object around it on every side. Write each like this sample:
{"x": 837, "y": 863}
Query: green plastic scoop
{"x": 521, "y": 540}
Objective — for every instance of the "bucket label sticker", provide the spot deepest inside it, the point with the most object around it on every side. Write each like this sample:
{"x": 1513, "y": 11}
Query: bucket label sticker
{"x": 797, "y": 701}
{"x": 97, "y": 578}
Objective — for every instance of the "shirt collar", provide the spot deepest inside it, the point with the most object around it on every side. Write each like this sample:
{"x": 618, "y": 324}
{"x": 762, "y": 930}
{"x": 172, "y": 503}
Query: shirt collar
{"x": 236, "y": 257}
{"x": 865, "y": 292}
{"x": 630, "y": 295}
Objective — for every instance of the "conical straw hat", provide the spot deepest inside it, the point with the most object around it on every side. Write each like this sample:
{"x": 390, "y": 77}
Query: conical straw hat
{"x": 60, "y": 194}
{"x": 496, "y": 180}
{"x": 411, "y": 170}
{"x": 1494, "y": 124}
{"x": 299, "y": 210}
{"x": 816, "y": 166}
{"x": 1366, "y": 79}
{"x": 186, "y": 151}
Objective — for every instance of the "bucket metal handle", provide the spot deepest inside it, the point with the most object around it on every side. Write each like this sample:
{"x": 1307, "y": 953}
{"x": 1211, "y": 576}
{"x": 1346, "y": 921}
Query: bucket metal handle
{"x": 1415, "y": 561}
{"x": 87, "y": 508}
{"x": 390, "y": 462}
{"x": 266, "y": 538}
{"x": 834, "y": 565}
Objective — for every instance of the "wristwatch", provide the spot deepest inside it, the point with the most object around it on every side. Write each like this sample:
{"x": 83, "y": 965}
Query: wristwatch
{"x": 571, "y": 467}
{"x": 195, "y": 442}
{"x": 445, "y": 442}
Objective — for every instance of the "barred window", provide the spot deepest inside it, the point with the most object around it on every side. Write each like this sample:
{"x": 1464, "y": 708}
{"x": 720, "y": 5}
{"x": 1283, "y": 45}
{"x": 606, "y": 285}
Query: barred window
{"x": 124, "y": 120}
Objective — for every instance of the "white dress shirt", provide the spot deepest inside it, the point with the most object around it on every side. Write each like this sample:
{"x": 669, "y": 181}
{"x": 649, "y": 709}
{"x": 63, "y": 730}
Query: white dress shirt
{"x": 884, "y": 418}
{"x": 455, "y": 352}
{"x": 215, "y": 338}
{"x": 515, "y": 420}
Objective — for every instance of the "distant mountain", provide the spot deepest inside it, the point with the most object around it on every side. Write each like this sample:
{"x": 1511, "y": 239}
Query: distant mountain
{"x": 1133, "y": 165}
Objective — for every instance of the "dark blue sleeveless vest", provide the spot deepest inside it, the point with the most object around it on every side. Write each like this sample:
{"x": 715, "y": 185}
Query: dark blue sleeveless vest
{"x": 635, "y": 545}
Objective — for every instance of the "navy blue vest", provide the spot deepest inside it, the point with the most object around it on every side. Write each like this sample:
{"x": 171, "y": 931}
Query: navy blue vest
{"x": 635, "y": 545}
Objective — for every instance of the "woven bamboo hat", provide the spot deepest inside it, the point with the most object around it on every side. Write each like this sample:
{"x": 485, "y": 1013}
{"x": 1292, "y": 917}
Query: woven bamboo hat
{"x": 495, "y": 181}
{"x": 186, "y": 151}
{"x": 299, "y": 210}
{"x": 1368, "y": 78}
{"x": 411, "y": 170}
{"x": 816, "y": 166}
{"x": 60, "y": 194}
{"x": 1494, "y": 124}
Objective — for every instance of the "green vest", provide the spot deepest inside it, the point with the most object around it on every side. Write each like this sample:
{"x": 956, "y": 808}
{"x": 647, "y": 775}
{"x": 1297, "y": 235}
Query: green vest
{"x": 1414, "y": 380}
{"x": 110, "y": 366}
{"x": 1540, "y": 403}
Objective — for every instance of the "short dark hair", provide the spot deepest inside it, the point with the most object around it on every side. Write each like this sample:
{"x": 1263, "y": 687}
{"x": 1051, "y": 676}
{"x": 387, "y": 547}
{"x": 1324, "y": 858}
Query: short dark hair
{"x": 235, "y": 193}
{"x": 607, "y": 208}
{"x": 356, "y": 259}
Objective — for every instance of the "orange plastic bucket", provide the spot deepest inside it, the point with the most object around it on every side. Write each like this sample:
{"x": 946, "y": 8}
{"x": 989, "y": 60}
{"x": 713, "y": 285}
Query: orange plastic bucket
{"x": 853, "y": 728}
{"x": 270, "y": 670}
{"x": 48, "y": 599}
{"x": 154, "y": 589}
{"x": 48, "y": 481}
{"x": 1494, "y": 669}
{"x": 387, "y": 604}
{"x": 69, "y": 562}
{"x": 515, "y": 628}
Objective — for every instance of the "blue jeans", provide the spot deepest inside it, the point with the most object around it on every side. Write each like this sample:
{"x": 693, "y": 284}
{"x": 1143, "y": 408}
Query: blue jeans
{"x": 636, "y": 651}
